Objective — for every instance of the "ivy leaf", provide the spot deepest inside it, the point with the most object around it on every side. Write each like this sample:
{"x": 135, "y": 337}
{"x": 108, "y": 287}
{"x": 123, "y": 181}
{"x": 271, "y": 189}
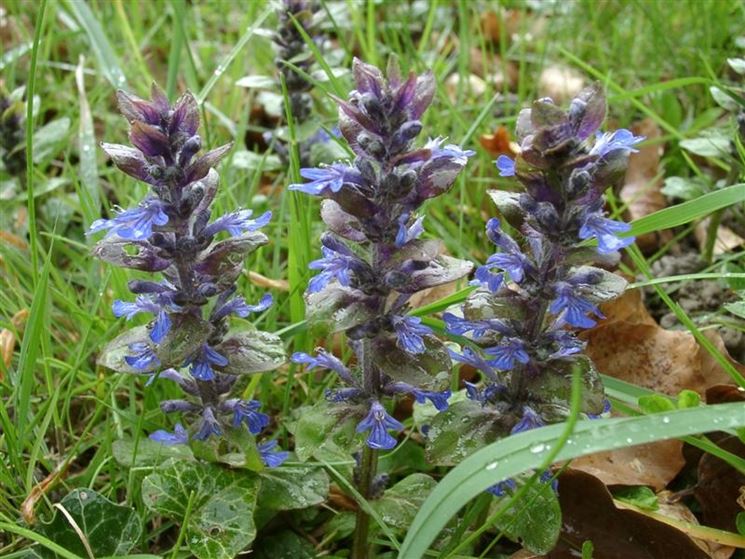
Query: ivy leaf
{"x": 713, "y": 142}
{"x": 252, "y": 352}
{"x": 109, "y": 529}
{"x": 535, "y": 521}
{"x": 399, "y": 504}
{"x": 293, "y": 487}
{"x": 221, "y": 522}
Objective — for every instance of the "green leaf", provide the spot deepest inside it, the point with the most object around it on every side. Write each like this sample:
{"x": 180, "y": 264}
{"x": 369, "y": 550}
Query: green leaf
{"x": 220, "y": 524}
{"x": 685, "y": 188}
{"x": 337, "y": 308}
{"x": 608, "y": 287}
{"x": 642, "y": 497}
{"x": 535, "y": 521}
{"x": 688, "y": 399}
{"x": 109, "y": 529}
{"x": 148, "y": 452}
{"x": 325, "y": 431}
{"x": 737, "y": 64}
{"x": 398, "y": 505}
{"x": 252, "y": 352}
{"x": 556, "y": 389}
{"x": 461, "y": 430}
{"x": 525, "y": 451}
{"x": 654, "y": 403}
{"x": 293, "y": 487}
{"x": 722, "y": 99}
{"x": 257, "y": 82}
{"x": 482, "y": 304}
{"x": 713, "y": 142}
{"x": 740, "y": 523}
{"x": 429, "y": 370}
{"x": 737, "y": 308}
{"x": 284, "y": 544}
{"x": 48, "y": 139}
{"x": 587, "y": 549}
{"x": 251, "y": 161}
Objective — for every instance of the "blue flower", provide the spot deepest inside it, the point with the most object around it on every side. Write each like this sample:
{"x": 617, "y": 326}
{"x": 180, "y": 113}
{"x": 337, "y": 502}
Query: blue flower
{"x": 201, "y": 365}
{"x": 330, "y": 178}
{"x": 135, "y": 224}
{"x": 247, "y": 411}
{"x": 479, "y": 328}
{"x": 142, "y": 303}
{"x": 509, "y": 351}
{"x": 451, "y": 151}
{"x": 605, "y": 230}
{"x": 438, "y": 399}
{"x": 515, "y": 264}
{"x": 239, "y": 307}
{"x": 470, "y": 357}
{"x": 574, "y": 310}
{"x": 410, "y": 332}
{"x": 208, "y": 425}
{"x": 506, "y": 166}
{"x": 503, "y": 487}
{"x": 269, "y": 456}
{"x": 620, "y": 139}
{"x": 566, "y": 344}
{"x": 378, "y": 422}
{"x": 324, "y": 360}
{"x": 530, "y": 420}
{"x": 408, "y": 233}
{"x": 144, "y": 358}
{"x": 484, "y": 277}
{"x": 333, "y": 265}
{"x": 179, "y": 436}
{"x": 238, "y": 223}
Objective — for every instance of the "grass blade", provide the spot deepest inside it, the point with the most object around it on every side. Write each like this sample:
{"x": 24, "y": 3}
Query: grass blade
{"x": 514, "y": 455}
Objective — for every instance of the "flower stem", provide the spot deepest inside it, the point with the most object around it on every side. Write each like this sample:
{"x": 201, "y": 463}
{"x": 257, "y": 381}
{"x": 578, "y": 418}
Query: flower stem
{"x": 368, "y": 467}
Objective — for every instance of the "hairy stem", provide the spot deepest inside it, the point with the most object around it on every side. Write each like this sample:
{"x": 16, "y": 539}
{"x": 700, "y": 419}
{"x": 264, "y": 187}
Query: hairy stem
{"x": 361, "y": 548}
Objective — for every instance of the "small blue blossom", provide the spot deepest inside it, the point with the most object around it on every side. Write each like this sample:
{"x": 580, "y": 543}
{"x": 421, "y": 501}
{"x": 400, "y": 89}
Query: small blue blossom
{"x": 144, "y": 358}
{"x": 451, "y": 151}
{"x": 333, "y": 265}
{"x": 179, "y": 436}
{"x": 574, "y": 310}
{"x": 605, "y": 230}
{"x": 201, "y": 364}
{"x": 515, "y": 264}
{"x": 508, "y": 352}
{"x": 530, "y": 420}
{"x": 272, "y": 458}
{"x": 478, "y": 328}
{"x": 143, "y": 303}
{"x": 503, "y": 487}
{"x": 208, "y": 425}
{"x": 506, "y": 166}
{"x": 410, "y": 332}
{"x": 247, "y": 411}
{"x": 408, "y": 233}
{"x": 378, "y": 422}
{"x": 237, "y": 223}
{"x": 618, "y": 140}
{"x": 484, "y": 277}
{"x": 135, "y": 224}
{"x": 472, "y": 358}
{"x": 324, "y": 360}
{"x": 239, "y": 307}
{"x": 439, "y": 399}
{"x": 325, "y": 179}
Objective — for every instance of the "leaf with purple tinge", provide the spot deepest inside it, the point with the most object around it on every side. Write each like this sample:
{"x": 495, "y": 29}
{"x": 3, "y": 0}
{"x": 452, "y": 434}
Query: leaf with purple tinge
{"x": 251, "y": 352}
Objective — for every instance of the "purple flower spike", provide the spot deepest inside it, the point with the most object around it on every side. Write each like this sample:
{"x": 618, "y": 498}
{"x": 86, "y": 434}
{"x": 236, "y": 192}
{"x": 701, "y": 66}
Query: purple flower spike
{"x": 606, "y": 231}
{"x": 179, "y": 436}
{"x": 506, "y": 166}
{"x": 411, "y": 332}
{"x": 272, "y": 458}
{"x": 378, "y": 422}
{"x": 135, "y": 224}
{"x": 574, "y": 310}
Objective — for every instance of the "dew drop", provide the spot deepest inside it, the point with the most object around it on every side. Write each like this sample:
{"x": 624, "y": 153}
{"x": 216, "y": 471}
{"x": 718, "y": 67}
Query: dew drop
{"x": 665, "y": 419}
{"x": 492, "y": 466}
{"x": 540, "y": 447}
{"x": 629, "y": 440}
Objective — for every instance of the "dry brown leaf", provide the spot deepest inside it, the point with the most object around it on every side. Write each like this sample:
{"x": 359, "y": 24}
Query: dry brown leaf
{"x": 719, "y": 487}
{"x": 494, "y": 25}
{"x": 499, "y": 143}
{"x": 13, "y": 240}
{"x": 560, "y": 83}
{"x": 41, "y": 489}
{"x": 641, "y": 191}
{"x": 8, "y": 337}
{"x": 727, "y": 239}
{"x": 589, "y": 513}
{"x": 654, "y": 464}
{"x": 269, "y": 283}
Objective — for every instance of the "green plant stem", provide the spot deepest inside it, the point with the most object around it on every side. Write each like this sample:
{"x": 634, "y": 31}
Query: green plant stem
{"x": 711, "y": 235}
{"x": 368, "y": 467}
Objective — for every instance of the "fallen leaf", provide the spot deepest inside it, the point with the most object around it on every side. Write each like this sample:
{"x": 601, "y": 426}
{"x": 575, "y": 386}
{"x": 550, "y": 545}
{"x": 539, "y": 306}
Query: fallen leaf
{"x": 8, "y": 337}
{"x": 642, "y": 188}
{"x": 495, "y": 25}
{"x": 719, "y": 486}
{"x": 499, "y": 143}
{"x": 654, "y": 464}
{"x": 13, "y": 240}
{"x": 589, "y": 513}
{"x": 263, "y": 281}
{"x": 40, "y": 489}
{"x": 727, "y": 240}
{"x": 560, "y": 83}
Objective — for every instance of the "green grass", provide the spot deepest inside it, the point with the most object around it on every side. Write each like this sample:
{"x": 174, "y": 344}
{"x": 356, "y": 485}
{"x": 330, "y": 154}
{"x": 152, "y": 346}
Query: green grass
{"x": 57, "y": 408}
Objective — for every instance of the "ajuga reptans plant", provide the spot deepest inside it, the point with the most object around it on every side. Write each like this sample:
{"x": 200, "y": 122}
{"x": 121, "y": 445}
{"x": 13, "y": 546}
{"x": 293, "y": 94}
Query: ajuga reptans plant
{"x": 541, "y": 288}
{"x": 199, "y": 258}
{"x": 293, "y": 54}
{"x": 374, "y": 259}
{"x": 12, "y": 135}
